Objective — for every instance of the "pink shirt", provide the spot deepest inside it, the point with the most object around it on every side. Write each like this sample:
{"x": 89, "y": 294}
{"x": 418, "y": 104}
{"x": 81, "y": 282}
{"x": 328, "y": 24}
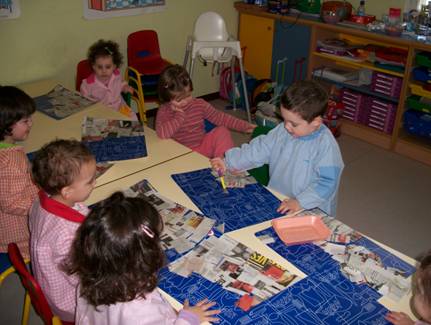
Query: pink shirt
{"x": 153, "y": 310}
{"x": 188, "y": 127}
{"x": 109, "y": 94}
{"x": 52, "y": 229}
{"x": 17, "y": 193}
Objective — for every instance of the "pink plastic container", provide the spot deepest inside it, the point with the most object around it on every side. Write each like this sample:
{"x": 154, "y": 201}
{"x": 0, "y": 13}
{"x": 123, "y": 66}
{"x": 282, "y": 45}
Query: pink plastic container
{"x": 300, "y": 230}
{"x": 386, "y": 84}
{"x": 381, "y": 115}
{"x": 354, "y": 105}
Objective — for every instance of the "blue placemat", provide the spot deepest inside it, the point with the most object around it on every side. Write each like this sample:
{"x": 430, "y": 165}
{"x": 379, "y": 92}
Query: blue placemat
{"x": 240, "y": 207}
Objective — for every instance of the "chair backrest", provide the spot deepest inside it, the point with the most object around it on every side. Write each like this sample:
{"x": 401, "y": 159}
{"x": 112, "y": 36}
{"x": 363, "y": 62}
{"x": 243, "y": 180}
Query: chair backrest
{"x": 37, "y": 297}
{"x": 83, "y": 70}
{"x": 210, "y": 26}
{"x": 141, "y": 44}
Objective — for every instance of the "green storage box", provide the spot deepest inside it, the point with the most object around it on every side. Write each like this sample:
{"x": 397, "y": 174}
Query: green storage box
{"x": 414, "y": 102}
{"x": 424, "y": 59}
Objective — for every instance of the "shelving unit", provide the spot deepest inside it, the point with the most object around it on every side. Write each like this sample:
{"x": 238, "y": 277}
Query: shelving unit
{"x": 399, "y": 141}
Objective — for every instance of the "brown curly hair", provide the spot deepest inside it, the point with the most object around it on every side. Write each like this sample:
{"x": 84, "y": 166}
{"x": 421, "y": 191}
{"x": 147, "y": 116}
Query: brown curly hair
{"x": 173, "y": 80}
{"x": 115, "y": 259}
{"x": 58, "y": 163}
{"x": 307, "y": 98}
{"x": 105, "y": 48}
{"x": 423, "y": 276}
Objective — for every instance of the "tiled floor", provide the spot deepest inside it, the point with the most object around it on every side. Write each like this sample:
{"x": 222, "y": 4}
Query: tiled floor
{"x": 382, "y": 194}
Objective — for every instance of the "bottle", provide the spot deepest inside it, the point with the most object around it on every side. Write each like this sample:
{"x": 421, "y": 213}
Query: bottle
{"x": 361, "y": 8}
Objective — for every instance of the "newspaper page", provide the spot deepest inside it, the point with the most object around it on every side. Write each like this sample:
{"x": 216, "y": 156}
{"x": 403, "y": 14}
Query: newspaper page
{"x": 235, "y": 180}
{"x": 61, "y": 102}
{"x": 183, "y": 228}
{"x": 235, "y": 267}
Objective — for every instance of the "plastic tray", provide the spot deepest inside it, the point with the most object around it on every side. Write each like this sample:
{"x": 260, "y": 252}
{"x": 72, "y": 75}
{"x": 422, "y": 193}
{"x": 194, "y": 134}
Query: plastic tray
{"x": 300, "y": 230}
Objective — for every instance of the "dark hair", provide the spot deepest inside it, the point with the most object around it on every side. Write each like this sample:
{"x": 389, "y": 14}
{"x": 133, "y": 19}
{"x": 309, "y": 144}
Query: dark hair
{"x": 58, "y": 163}
{"x": 113, "y": 253}
{"x": 105, "y": 48}
{"x": 173, "y": 80}
{"x": 14, "y": 106}
{"x": 423, "y": 276}
{"x": 307, "y": 98}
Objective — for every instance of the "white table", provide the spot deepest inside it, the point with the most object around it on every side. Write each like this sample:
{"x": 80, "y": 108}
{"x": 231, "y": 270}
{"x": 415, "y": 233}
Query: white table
{"x": 160, "y": 177}
{"x": 46, "y": 129}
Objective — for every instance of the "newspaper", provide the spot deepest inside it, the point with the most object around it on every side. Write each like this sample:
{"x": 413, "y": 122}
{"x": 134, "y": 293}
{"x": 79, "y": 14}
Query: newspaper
{"x": 102, "y": 168}
{"x": 235, "y": 180}
{"x": 360, "y": 265}
{"x": 61, "y": 102}
{"x": 183, "y": 228}
{"x": 235, "y": 267}
{"x": 112, "y": 140}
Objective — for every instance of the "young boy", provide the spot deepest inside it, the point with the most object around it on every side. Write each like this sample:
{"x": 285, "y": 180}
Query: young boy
{"x": 65, "y": 171}
{"x": 17, "y": 191}
{"x": 304, "y": 159}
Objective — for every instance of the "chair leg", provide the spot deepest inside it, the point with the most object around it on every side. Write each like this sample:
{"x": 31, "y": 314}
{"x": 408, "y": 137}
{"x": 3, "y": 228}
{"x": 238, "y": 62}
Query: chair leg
{"x": 26, "y": 309}
{"x": 232, "y": 74}
{"x": 244, "y": 86}
{"x": 192, "y": 65}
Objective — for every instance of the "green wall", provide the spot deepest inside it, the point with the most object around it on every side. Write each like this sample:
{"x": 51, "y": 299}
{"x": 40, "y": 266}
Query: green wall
{"x": 51, "y": 37}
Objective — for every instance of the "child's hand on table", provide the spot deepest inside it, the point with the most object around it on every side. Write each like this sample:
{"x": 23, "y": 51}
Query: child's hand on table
{"x": 127, "y": 89}
{"x": 399, "y": 318}
{"x": 289, "y": 205}
{"x": 251, "y": 128}
{"x": 201, "y": 310}
{"x": 218, "y": 165}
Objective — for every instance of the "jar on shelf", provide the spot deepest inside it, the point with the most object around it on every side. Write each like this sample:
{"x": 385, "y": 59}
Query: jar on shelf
{"x": 393, "y": 24}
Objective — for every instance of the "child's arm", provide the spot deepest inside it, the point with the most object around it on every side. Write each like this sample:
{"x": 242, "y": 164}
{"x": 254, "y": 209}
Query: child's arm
{"x": 399, "y": 318}
{"x": 168, "y": 121}
{"x": 16, "y": 187}
{"x": 328, "y": 166}
{"x": 253, "y": 154}
{"x": 222, "y": 119}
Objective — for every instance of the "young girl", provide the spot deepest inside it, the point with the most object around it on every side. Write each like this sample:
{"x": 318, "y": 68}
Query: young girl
{"x": 182, "y": 117}
{"x": 17, "y": 190}
{"x": 117, "y": 255}
{"x": 421, "y": 300}
{"x": 65, "y": 170}
{"x": 106, "y": 84}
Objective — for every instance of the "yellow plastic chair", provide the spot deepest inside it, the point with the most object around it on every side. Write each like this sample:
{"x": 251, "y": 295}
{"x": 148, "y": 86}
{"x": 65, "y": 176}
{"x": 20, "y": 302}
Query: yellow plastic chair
{"x": 133, "y": 78}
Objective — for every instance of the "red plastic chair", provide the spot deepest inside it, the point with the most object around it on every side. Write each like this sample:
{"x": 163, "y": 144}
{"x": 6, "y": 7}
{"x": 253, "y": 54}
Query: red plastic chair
{"x": 143, "y": 52}
{"x": 33, "y": 289}
{"x": 83, "y": 70}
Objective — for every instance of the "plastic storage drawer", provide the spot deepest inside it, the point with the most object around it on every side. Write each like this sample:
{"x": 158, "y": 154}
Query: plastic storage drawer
{"x": 417, "y": 123}
{"x": 385, "y": 84}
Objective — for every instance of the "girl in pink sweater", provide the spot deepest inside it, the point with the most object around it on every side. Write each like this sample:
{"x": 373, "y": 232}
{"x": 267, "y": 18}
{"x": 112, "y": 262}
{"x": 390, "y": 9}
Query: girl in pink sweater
{"x": 182, "y": 117}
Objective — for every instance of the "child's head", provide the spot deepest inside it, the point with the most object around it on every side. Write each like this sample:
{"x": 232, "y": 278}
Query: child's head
{"x": 104, "y": 57}
{"x": 16, "y": 108}
{"x": 174, "y": 84}
{"x": 302, "y": 107}
{"x": 116, "y": 253}
{"x": 66, "y": 170}
{"x": 422, "y": 288}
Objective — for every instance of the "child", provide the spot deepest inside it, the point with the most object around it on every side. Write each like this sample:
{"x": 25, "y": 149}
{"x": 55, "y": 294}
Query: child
{"x": 182, "y": 117}
{"x": 17, "y": 190}
{"x": 106, "y": 84}
{"x": 117, "y": 255}
{"x": 304, "y": 159}
{"x": 421, "y": 300}
{"x": 65, "y": 171}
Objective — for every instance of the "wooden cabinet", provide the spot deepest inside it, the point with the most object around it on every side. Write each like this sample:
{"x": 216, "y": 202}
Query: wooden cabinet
{"x": 398, "y": 140}
{"x": 256, "y": 36}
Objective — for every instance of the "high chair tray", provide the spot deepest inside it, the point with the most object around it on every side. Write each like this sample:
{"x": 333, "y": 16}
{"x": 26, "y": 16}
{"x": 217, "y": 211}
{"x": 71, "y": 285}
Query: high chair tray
{"x": 300, "y": 230}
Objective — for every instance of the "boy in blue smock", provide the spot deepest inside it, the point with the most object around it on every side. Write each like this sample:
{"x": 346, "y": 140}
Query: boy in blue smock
{"x": 304, "y": 159}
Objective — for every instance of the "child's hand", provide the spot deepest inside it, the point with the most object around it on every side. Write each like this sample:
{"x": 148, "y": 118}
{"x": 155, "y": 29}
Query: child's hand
{"x": 218, "y": 165}
{"x": 127, "y": 89}
{"x": 250, "y": 128}
{"x": 399, "y": 318}
{"x": 289, "y": 205}
{"x": 201, "y": 310}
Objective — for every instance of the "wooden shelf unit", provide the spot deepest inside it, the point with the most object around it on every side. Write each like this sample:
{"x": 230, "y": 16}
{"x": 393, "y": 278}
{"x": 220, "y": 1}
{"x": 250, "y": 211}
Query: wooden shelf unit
{"x": 399, "y": 141}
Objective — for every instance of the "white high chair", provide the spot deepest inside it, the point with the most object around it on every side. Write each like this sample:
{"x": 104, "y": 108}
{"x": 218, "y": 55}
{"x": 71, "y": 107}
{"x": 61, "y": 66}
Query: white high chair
{"x": 211, "y": 43}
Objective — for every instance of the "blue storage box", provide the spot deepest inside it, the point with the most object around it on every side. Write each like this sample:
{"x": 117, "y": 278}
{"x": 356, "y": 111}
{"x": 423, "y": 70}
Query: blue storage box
{"x": 417, "y": 123}
{"x": 422, "y": 74}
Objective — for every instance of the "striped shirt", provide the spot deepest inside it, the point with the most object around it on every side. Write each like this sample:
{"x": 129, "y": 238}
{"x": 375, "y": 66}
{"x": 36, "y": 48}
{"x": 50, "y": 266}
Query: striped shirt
{"x": 17, "y": 193}
{"x": 188, "y": 127}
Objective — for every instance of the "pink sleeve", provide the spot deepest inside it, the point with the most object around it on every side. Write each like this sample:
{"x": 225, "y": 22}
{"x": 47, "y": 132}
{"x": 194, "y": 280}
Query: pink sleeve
{"x": 16, "y": 187}
{"x": 168, "y": 121}
{"x": 84, "y": 89}
{"x": 222, "y": 119}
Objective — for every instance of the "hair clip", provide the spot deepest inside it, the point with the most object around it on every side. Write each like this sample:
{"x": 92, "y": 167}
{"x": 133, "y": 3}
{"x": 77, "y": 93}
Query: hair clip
{"x": 166, "y": 86}
{"x": 147, "y": 231}
{"x": 108, "y": 50}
